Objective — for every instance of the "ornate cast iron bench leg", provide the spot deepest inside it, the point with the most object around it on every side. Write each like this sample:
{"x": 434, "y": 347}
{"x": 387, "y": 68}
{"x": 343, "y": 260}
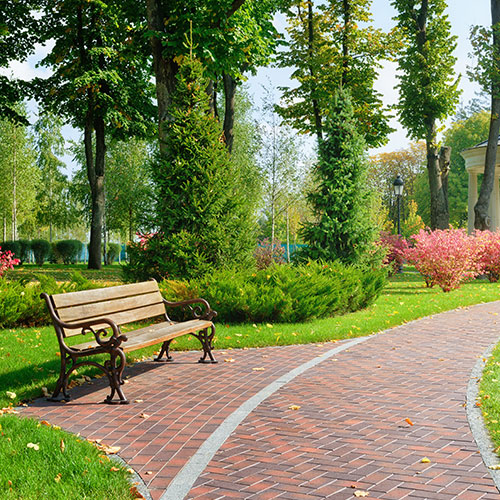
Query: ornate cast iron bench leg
{"x": 165, "y": 349}
{"x": 62, "y": 382}
{"x": 114, "y": 374}
{"x": 206, "y": 342}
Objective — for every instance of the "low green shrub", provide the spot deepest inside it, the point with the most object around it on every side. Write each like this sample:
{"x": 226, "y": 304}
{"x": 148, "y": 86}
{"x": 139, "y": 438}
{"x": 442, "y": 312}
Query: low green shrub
{"x": 113, "y": 252}
{"x": 41, "y": 250}
{"x": 20, "y": 302}
{"x": 25, "y": 248}
{"x": 69, "y": 250}
{"x": 283, "y": 293}
{"x": 12, "y": 246}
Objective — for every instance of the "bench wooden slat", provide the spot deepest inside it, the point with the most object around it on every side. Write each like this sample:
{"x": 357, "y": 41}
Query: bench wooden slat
{"x": 155, "y": 334}
{"x": 108, "y": 308}
{"x": 124, "y": 317}
{"x": 101, "y": 294}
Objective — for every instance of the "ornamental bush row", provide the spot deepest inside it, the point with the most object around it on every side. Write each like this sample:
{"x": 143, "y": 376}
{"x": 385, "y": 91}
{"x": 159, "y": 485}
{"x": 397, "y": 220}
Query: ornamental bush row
{"x": 447, "y": 258}
{"x": 283, "y": 293}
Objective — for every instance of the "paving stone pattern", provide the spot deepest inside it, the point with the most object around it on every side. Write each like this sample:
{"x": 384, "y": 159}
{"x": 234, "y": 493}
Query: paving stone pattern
{"x": 349, "y": 433}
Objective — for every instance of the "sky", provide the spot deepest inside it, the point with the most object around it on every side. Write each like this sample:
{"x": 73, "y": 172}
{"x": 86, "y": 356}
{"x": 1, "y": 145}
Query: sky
{"x": 462, "y": 13}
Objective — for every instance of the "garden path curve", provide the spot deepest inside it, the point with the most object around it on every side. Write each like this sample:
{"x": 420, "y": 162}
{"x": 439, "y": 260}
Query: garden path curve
{"x": 227, "y": 430}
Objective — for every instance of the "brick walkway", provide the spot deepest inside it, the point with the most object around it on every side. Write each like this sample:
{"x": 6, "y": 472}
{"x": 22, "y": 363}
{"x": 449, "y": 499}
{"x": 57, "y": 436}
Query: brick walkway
{"x": 349, "y": 433}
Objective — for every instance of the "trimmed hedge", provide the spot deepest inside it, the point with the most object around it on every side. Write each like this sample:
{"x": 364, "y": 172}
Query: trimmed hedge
{"x": 12, "y": 246}
{"x": 69, "y": 250}
{"x": 41, "y": 250}
{"x": 284, "y": 293}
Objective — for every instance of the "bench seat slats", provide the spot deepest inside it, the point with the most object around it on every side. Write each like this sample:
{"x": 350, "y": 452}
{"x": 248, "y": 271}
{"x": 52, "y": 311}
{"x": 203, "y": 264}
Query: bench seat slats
{"x": 154, "y": 334}
{"x": 103, "y": 294}
{"x": 108, "y": 308}
{"x": 124, "y": 317}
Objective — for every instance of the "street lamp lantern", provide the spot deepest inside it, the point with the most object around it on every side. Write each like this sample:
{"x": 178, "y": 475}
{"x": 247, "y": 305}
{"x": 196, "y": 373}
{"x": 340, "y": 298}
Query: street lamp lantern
{"x": 398, "y": 186}
{"x": 398, "y": 191}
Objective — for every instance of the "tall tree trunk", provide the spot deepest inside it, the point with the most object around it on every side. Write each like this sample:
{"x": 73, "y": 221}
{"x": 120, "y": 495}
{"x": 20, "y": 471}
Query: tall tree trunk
{"x": 481, "y": 218}
{"x": 130, "y": 221}
{"x": 439, "y": 209}
{"x": 14, "y": 187}
{"x": 310, "y": 52}
{"x": 165, "y": 68}
{"x": 345, "y": 41}
{"x": 230, "y": 85}
{"x": 95, "y": 172}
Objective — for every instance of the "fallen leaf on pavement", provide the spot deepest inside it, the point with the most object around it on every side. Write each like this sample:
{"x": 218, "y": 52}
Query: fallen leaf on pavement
{"x": 361, "y": 493}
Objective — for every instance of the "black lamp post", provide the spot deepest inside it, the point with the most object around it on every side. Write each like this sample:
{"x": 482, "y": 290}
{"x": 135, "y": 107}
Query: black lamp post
{"x": 398, "y": 191}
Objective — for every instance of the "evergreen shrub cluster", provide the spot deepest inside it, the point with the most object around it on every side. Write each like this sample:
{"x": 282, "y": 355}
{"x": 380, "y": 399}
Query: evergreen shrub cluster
{"x": 283, "y": 293}
{"x": 67, "y": 250}
{"x": 20, "y": 302}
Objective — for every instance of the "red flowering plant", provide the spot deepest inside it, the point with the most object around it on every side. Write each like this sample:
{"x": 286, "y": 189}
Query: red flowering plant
{"x": 446, "y": 258}
{"x": 395, "y": 247}
{"x": 7, "y": 261}
{"x": 488, "y": 247}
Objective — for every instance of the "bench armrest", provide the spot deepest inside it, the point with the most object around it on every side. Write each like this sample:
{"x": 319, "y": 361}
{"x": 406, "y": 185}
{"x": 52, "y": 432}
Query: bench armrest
{"x": 199, "y": 308}
{"x": 114, "y": 340}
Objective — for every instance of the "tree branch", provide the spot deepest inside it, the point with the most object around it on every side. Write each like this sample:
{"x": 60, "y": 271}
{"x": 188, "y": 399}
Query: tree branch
{"x": 234, "y": 7}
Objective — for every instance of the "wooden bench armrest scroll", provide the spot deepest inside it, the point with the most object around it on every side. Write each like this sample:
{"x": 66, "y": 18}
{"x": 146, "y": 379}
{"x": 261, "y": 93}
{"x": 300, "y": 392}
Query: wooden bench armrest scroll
{"x": 199, "y": 308}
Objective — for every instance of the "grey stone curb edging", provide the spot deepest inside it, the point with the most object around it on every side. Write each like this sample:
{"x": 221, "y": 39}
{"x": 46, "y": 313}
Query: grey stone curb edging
{"x": 475, "y": 418}
{"x": 182, "y": 483}
{"x": 134, "y": 479}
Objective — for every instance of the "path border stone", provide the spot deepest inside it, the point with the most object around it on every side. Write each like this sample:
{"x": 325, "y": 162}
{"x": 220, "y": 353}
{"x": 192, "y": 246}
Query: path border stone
{"x": 181, "y": 484}
{"x": 476, "y": 420}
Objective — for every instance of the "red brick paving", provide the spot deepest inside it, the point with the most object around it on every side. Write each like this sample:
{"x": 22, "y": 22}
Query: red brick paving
{"x": 349, "y": 433}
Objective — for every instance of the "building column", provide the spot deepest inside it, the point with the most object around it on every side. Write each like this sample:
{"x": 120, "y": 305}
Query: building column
{"x": 472, "y": 191}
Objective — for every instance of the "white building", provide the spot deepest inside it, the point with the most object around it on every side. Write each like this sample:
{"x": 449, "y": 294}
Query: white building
{"x": 474, "y": 164}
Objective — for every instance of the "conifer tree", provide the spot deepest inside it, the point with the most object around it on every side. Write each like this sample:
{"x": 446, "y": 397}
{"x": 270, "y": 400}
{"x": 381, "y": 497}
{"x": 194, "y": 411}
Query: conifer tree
{"x": 202, "y": 215}
{"x": 342, "y": 229}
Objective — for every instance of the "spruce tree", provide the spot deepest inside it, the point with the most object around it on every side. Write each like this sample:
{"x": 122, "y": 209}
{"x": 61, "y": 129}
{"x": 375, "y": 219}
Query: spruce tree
{"x": 201, "y": 213}
{"x": 342, "y": 229}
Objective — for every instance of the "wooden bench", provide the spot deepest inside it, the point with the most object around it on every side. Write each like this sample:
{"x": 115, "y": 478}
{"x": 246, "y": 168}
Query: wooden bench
{"x": 101, "y": 312}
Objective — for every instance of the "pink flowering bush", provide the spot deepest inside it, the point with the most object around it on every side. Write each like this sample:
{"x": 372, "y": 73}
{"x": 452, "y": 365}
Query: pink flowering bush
{"x": 488, "y": 247}
{"x": 7, "y": 261}
{"x": 445, "y": 258}
{"x": 395, "y": 247}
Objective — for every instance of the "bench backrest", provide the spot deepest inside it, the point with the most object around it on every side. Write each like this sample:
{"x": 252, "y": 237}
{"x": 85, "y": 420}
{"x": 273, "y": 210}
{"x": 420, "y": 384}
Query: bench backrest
{"x": 122, "y": 304}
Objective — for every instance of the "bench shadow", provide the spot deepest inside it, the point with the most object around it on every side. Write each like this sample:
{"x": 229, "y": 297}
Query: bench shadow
{"x": 21, "y": 375}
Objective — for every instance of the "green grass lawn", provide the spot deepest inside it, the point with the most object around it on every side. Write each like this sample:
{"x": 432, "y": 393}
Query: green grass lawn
{"x": 29, "y": 361}
{"x": 489, "y": 397}
{"x": 40, "y": 461}
{"x": 63, "y": 272}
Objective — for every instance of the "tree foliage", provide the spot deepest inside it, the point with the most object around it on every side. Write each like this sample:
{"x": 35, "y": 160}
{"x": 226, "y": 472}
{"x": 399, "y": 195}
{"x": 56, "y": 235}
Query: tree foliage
{"x": 100, "y": 82}
{"x": 342, "y": 229}
{"x": 329, "y": 47}
{"x": 54, "y": 207}
{"x": 198, "y": 197}
{"x": 428, "y": 89}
